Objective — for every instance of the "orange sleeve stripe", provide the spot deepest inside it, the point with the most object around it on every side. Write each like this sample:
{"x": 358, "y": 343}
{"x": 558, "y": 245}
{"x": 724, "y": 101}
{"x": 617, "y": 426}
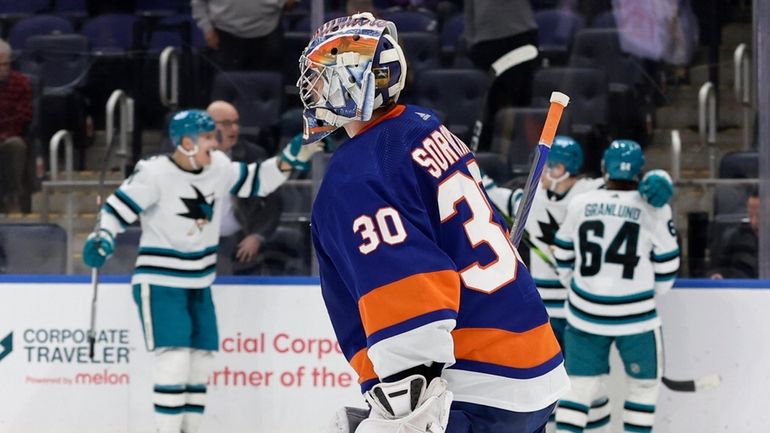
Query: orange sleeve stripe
{"x": 409, "y": 297}
{"x": 510, "y": 349}
{"x": 363, "y": 366}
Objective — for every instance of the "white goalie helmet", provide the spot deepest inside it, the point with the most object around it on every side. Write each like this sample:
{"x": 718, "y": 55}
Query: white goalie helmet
{"x": 352, "y": 66}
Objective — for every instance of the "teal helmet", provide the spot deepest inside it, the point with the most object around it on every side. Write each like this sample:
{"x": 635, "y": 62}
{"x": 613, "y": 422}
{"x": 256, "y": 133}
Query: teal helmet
{"x": 189, "y": 123}
{"x": 623, "y": 160}
{"x": 566, "y": 151}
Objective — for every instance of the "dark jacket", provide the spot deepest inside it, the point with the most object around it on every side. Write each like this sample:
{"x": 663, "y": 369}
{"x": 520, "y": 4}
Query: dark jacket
{"x": 737, "y": 257}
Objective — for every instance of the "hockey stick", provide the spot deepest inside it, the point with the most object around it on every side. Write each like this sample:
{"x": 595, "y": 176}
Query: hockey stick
{"x": 558, "y": 102}
{"x": 703, "y": 383}
{"x": 499, "y": 67}
{"x": 97, "y": 227}
{"x": 709, "y": 381}
{"x": 527, "y": 241}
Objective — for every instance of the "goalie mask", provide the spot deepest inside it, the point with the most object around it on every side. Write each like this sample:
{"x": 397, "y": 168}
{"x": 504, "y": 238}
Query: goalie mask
{"x": 352, "y": 66}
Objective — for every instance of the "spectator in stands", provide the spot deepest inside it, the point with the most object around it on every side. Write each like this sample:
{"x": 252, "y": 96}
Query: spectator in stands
{"x": 493, "y": 28}
{"x": 244, "y": 34}
{"x": 738, "y": 255}
{"x": 15, "y": 117}
{"x": 250, "y": 220}
{"x": 353, "y": 7}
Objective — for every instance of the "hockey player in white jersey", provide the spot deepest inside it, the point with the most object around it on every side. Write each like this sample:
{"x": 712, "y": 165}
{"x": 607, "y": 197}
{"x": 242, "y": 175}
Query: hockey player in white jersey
{"x": 616, "y": 251}
{"x": 561, "y": 182}
{"x": 178, "y": 199}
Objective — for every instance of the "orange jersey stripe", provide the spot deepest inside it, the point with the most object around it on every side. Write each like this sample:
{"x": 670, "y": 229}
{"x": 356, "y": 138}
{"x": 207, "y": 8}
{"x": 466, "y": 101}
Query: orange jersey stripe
{"x": 409, "y": 297}
{"x": 510, "y": 349}
{"x": 363, "y": 366}
{"x": 394, "y": 112}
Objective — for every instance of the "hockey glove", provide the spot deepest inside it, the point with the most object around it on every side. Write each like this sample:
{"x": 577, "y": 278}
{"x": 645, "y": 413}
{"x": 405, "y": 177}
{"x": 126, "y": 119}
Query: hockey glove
{"x": 656, "y": 187}
{"x": 98, "y": 248}
{"x": 347, "y": 419}
{"x": 299, "y": 156}
{"x": 407, "y": 406}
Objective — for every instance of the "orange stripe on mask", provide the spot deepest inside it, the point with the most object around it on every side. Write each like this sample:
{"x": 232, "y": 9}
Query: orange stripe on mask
{"x": 363, "y": 366}
{"x": 510, "y": 349}
{"x": 409, "y": 297}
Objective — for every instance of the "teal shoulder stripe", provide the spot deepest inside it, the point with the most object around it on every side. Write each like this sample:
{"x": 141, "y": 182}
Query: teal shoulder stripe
{"x": 122, "y": 196}
{"x": 241, "y": 179}
{"x": 665, "y": 256}
{"x": 561, "y": 243}
{"x": 255, "y": 184}
{"x": 605, "y": 299}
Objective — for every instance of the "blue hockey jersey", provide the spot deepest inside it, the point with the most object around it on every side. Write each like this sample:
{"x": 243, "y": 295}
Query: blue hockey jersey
{"x": 416, "y": 268}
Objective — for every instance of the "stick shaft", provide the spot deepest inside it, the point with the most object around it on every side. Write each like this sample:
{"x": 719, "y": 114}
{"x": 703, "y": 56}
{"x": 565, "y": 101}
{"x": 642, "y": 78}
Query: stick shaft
{"x": 92, "y": 328}
{"x": 558, "y": 102}
{"x": 507, "y": 61}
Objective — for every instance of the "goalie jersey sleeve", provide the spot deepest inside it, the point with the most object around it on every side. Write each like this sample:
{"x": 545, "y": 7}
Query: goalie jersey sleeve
{"x": 616, "y": 252}
{"x": 416, "y": 267}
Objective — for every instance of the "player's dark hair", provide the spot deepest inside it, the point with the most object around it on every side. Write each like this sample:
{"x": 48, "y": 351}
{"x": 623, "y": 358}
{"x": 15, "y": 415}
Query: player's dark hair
{"x": 622, "y": 185}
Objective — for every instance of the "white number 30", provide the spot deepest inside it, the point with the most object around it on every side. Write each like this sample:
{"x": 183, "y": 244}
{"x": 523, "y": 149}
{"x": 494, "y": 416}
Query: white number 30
{"x": 389, "y": 228}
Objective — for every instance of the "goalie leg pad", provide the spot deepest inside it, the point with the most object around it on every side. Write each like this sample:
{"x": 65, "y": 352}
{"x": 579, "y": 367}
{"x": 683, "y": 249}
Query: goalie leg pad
{"x": 408, "y": 406}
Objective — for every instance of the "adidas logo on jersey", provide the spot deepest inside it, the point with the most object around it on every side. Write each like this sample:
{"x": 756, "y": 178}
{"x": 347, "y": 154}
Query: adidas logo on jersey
{"x": 423, "y": 116}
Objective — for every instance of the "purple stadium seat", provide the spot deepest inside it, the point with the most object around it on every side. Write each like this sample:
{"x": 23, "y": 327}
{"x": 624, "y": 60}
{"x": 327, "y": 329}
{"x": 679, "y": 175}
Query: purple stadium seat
{"x": 71, "y": 8}
{"x": 37, "y": 25}
{"x": 169, "y": 34}
{"x": 110, "y": 33}
{"x": 411, "y": 21}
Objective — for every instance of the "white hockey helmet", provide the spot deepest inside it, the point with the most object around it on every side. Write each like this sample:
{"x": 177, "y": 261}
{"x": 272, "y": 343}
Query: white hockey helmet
{"x": 352, "y": 66}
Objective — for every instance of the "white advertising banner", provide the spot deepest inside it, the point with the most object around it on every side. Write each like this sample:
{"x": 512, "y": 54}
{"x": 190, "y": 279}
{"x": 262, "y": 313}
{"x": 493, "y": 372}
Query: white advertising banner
{"x": 279, "y": 369}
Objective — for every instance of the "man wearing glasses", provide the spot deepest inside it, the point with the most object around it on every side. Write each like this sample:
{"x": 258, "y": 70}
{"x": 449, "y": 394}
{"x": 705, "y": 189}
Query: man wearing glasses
{"x": 250, "y": 221}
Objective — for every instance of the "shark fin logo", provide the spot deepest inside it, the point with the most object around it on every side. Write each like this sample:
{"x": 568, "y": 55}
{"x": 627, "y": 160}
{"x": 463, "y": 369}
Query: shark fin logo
{"x": 200, "y": 210}
{"x": 6, "y": 346}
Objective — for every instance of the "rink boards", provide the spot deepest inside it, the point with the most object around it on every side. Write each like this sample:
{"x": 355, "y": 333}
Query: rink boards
{"x": 279, "y": 368}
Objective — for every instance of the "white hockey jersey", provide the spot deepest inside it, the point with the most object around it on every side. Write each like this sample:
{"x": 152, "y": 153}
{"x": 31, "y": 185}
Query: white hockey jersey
{"x": 616, "y": 252}
{"x": 181, "y": 214}
{"x": 545, "y": 216}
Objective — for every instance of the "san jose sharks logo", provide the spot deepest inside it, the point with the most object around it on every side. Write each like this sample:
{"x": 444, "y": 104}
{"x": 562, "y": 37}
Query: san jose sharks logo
{"x": 200, "y": 210}
{"x": 548, "y": 229}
